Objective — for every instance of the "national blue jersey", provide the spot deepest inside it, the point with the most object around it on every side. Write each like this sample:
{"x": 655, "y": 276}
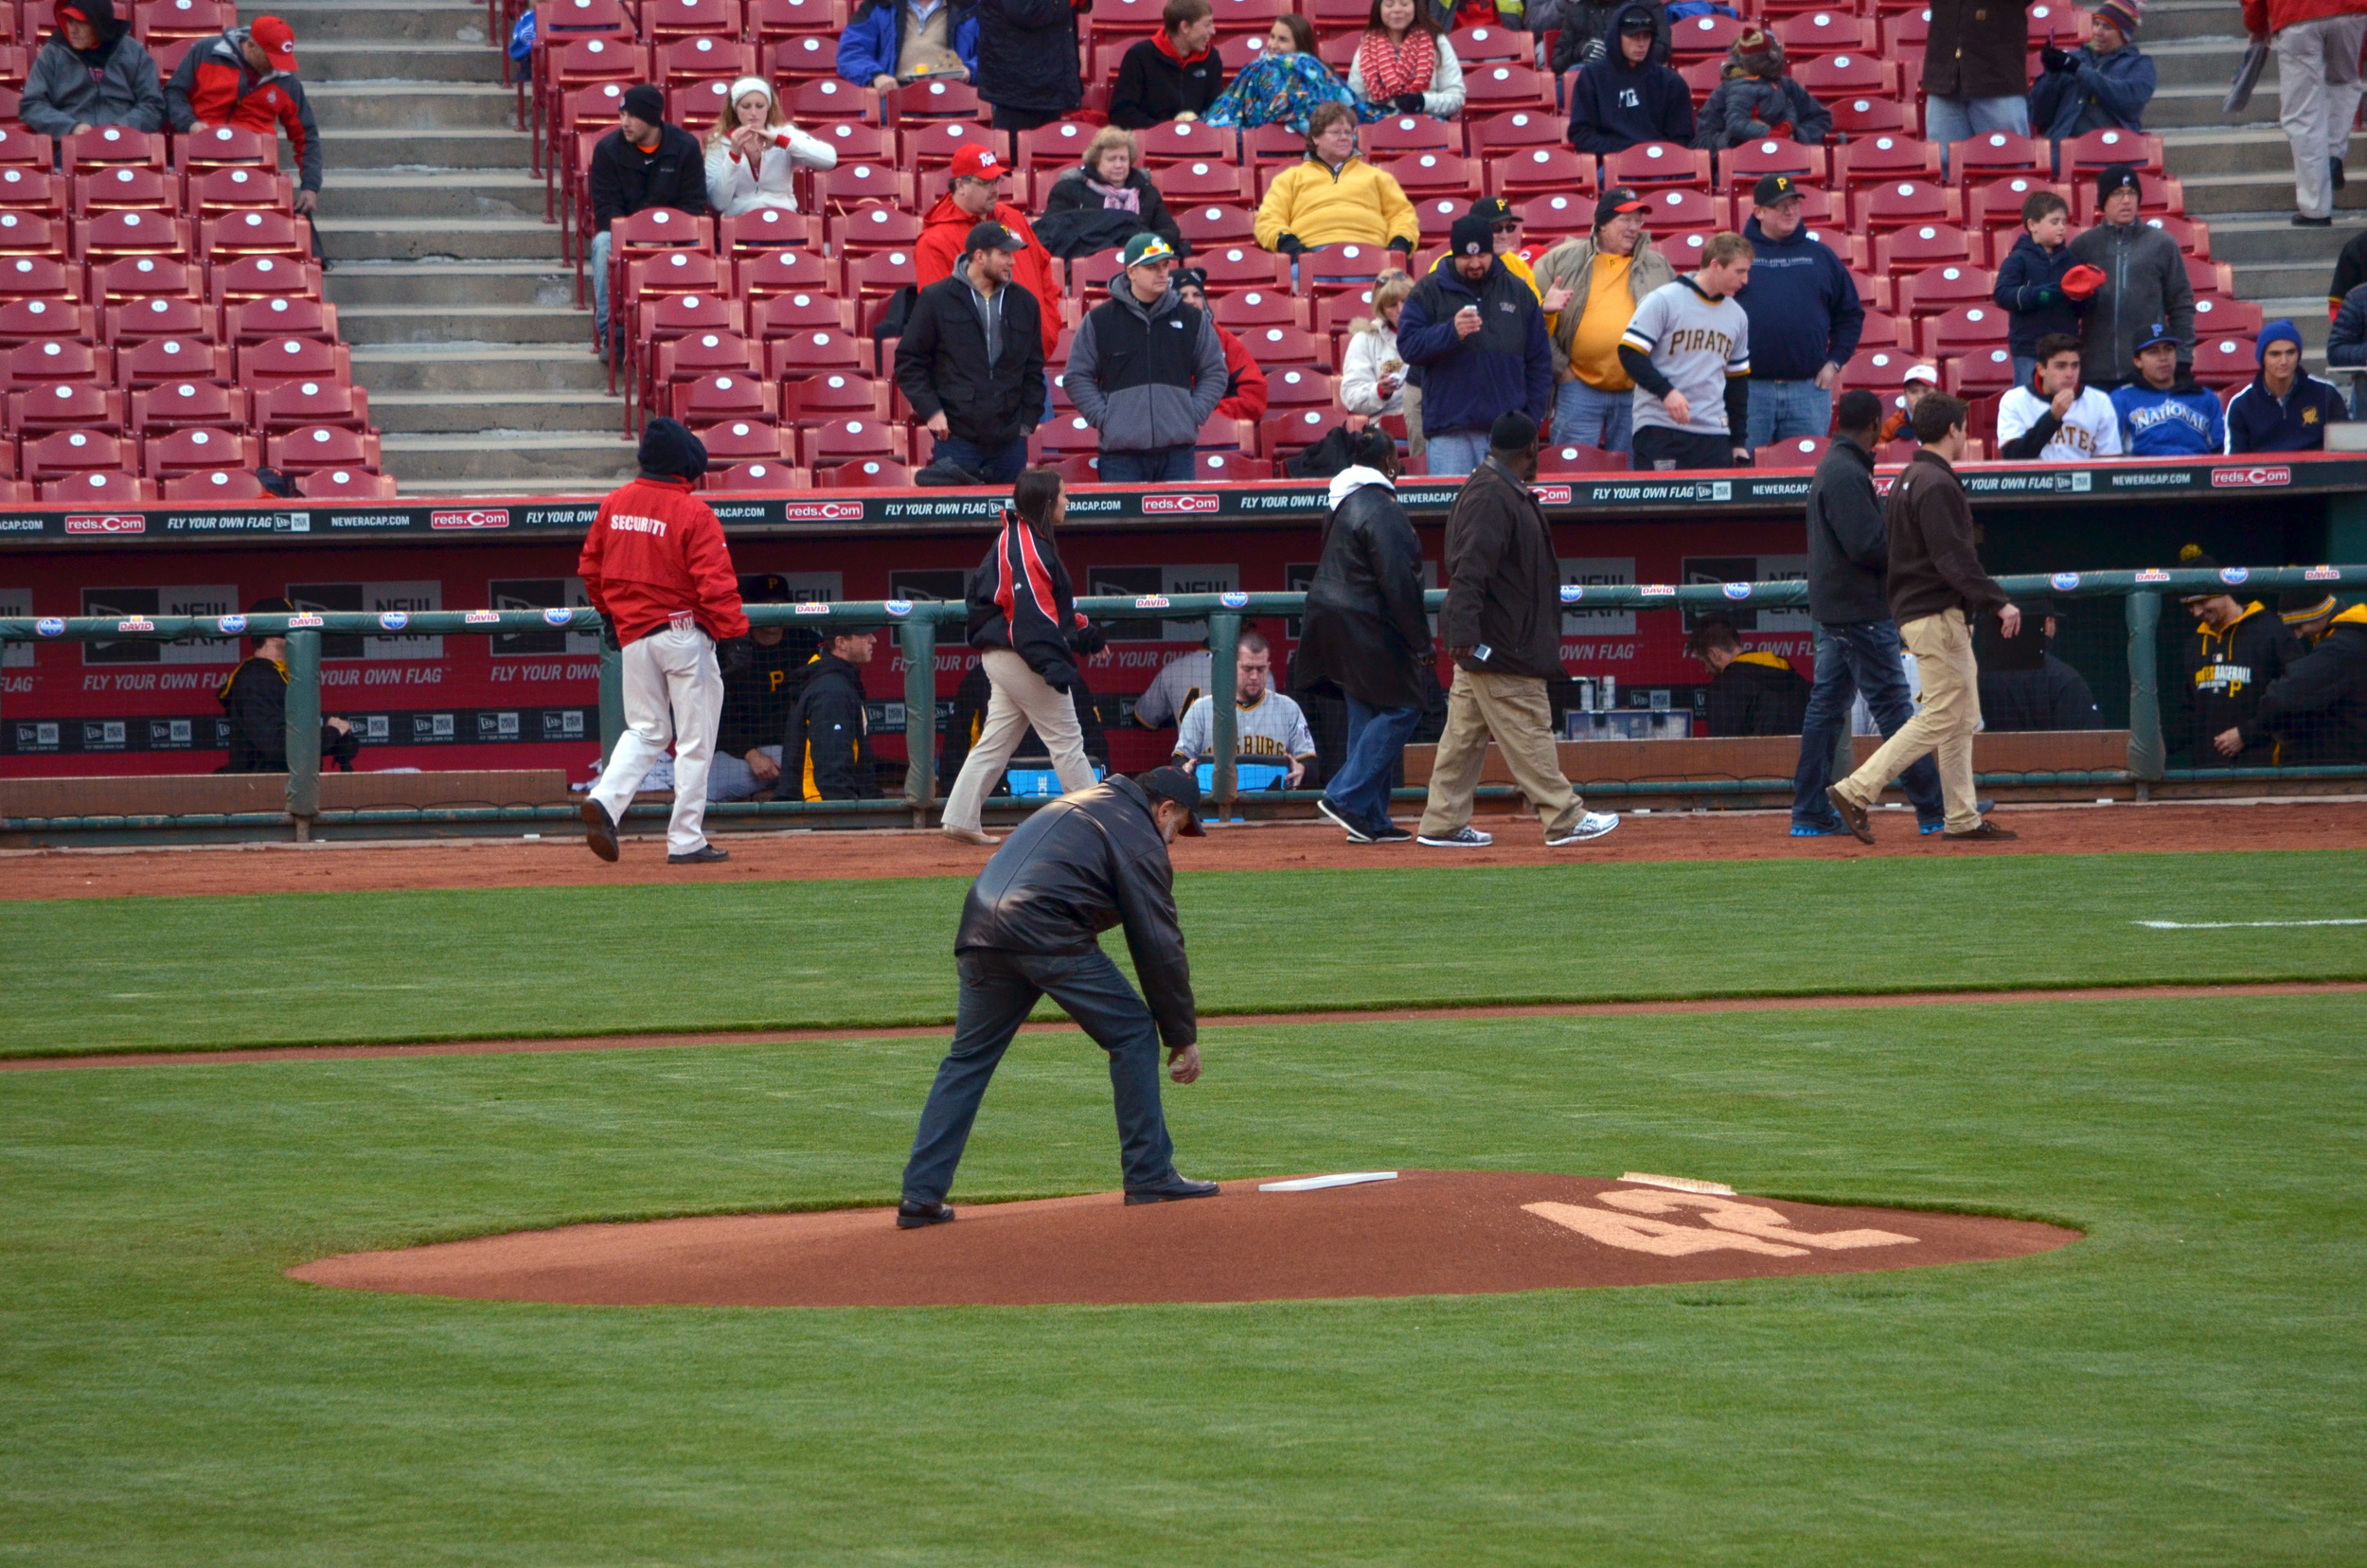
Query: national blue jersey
{"x": 2169, "y": 424}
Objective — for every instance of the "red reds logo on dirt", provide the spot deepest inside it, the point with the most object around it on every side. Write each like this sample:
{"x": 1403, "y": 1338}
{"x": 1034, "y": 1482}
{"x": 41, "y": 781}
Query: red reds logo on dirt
{"x": 822, "y": 511}
{"x": 1167, "y": 505}
{"x": 2224, "y": 478}
{"x": 470, "y": 517}
{"x": 105, "y": 522}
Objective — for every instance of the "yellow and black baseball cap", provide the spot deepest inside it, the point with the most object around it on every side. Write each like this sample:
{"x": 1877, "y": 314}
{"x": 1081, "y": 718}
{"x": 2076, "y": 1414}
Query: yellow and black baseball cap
{"x": 1496, "y": 209}
{"x": 1773, "y": 189}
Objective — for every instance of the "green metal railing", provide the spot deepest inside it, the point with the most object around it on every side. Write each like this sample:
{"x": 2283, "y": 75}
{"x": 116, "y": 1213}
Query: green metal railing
{"x": 915, "y": 624}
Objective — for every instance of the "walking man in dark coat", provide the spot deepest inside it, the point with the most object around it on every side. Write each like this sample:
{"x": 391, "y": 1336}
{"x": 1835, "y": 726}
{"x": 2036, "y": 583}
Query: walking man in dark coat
{"x": 1365, "y": 636}
{"x": 970, "y": 360}
{"x": 1502, "y": 626}
{"x": 1094, "y": 859}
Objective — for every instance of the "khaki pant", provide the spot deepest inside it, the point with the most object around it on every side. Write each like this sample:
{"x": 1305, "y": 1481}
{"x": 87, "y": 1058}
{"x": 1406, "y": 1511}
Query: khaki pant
{"x": 673, "y": 697}
{"x": 2318, "y": 90}
{"x": 1021, "y": 700}
{"x": 1513, "y": 710}
{"x": 1946, "y": 724}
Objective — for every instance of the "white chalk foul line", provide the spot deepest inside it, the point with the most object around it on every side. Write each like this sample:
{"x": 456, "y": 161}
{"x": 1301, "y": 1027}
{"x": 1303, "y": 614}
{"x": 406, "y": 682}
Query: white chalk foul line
{"x": 1316, "y": 1184}
{"x": 2235, "y": 925}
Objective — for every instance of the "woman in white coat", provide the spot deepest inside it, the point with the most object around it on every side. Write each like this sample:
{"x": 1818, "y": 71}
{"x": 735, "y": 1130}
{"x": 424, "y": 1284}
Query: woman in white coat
{"x": 752, "y": 149}
{"x": 1372, "y": 381}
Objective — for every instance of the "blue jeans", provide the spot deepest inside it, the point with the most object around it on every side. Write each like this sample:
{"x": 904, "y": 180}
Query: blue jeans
{"x": 1452, "y": 454}
{"x": 998, "y": 991}
{"x": 1584, "y": 417}
{"x": 600, "y": 289}
{"x": 995, "y": 464}
{"x": 2024, "y": 367}
{"x": 1375, "y": 740}
{"x": 1167, "y": 466}
{"x": 1859, "y": 656}
{"x": 1953, "y": 120}
{"x": 1782, "y": 410}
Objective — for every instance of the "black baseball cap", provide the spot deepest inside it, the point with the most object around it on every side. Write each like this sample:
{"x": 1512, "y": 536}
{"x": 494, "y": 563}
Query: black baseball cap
{"x": 1496, "y": 209}
{"x": 1618, "y": 198}
{"x": 991, "y": 236}
{"x": 1773, "y": 189}
{"x": 766, "y": 588}
{"x": 1637, "y": 19}
{"x": 1191, "y": 277}
{"x": 1180, "y": 787}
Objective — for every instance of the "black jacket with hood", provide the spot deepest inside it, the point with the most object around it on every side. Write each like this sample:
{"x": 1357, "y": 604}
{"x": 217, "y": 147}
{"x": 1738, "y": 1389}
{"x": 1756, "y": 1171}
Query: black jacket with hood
{"x": 1760, "y": 693}
{"x": 941, "y": 362}
{"x": 1020, "y": 598}
{"x": 1028, "y": 56}
{"x": 2320, "y": 704}
{"x": 1614, "y": 106}
{"x": 1366, "y": 635}
{"x": 1848, "y": 548}
{"x": 1503, "y": 582}
{"x": 826, "y": 753}
{"x": 2226, "y": 671}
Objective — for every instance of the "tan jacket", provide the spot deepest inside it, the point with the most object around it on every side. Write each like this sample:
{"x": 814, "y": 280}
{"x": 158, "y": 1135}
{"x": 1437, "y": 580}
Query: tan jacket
{"x": 1571, "y": 264}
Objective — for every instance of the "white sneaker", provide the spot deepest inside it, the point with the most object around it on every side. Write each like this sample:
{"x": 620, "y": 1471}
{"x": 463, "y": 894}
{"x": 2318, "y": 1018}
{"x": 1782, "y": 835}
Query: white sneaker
{"x": 1462, "y": 838}
{"x": 1592, "y": 826}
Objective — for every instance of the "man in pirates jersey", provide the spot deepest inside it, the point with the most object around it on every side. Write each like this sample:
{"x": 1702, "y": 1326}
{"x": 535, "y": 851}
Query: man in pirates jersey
{"x": 2236, "y": 649}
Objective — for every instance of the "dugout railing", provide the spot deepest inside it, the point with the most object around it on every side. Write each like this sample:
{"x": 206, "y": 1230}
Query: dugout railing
{"x": 915, "y": 625}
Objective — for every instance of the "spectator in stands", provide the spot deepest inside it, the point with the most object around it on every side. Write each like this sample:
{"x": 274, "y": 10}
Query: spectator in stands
{"x": 1372, "y": 373}
{"x": 1405, "y": 62}
{"x": 975, "y": 197}
{"x": 1502, "y": 623}
{"x": 2162, "y": 413}
{"x": 644, "y": 163}
{"x": 1147, "y": 371}
{"x": 756, "y": 700}
{"x": 1266, "y": 725}
{"x": 826, "y": 751}
{"x": 893, "y": 42}
{"x": 1918, "y": 383}
{"x": 1244, "y": 383}
{"x": 1750, "y": 690}
{"x": 1631, "y": 98}
{"x": 1332, "y": 197}
{"x": 1936, "y": 589}
{"x": 1478, "y": 334}
{"x": 2317, "y": 44}
{"x": 1756, "y": 100}
{"x": 1688, "y": 351}
{"x": 2024, "y": 687}
{"x": 2319, "y": 706}
{"x": 970, "y": 360}
{"x": 1974, "y": 70}
{"x": 1106, "y": 201}
{"x": 2237, "y": 651}
{"x": 1287, "y": 84}
{"x": 2284, "y": 409}
{"x": 1027, "y": 61}
{"x": 2035, "y": 287}
{"x": 92, "y": 72}
{"x": 1607, "y": 275}
{"x": 247, "y": 78}
{"x": 1805, "y": 318}
{"x": 1173, "y": 75}
{"x": 1505, "y": 230}
{"x": 2145, "y": 283}
{"x": 256, "y": 698}
{"x": 1366, "y": 637}
{"x": 2103, "y": 85}
{"x": 974, "y": 698}
{"x": 1857, "y": 642}
{"x": 752, "y": 149}
{"x": 2346, "y": 345}
{"x": 1177, "y": 686}
{"x": 2051, "y": 417}
{"x": 1588, "y": 30}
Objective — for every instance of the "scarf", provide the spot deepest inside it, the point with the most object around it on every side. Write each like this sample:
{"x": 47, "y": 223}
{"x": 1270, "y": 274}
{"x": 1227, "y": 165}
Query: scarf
{"x": 1391, "y": 69}
{"x": 1123, "y": 197}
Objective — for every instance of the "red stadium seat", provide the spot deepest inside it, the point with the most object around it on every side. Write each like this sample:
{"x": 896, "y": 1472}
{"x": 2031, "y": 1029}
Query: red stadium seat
{"x": 2225, "y": 360}
{"x": 1743, "y": 167}
{"x": 226, "y": 147}
{"x": 1336, "y": 16}
{"x": 1337, "y": 268}
{"x": 1170, "y": 143}
{"x": 1847, "y": 76}
{"x": 32, "y": 320}
{"x": 65, "y": 405}
{"x": 1649, "y": 165}
{"x": 1273, "y": 144}
{"x": 748, "y": 441}
{"x": 186, "y": 405}
{"x": 282, "y": 317}
{"x": 1490, "y": 44}
{"x": 20, "y": 147}
{"x": 1910, "y": 250}
{"x": 110, "y": 488}
{"x": 1204, "y": 226}
{"x": 145, "y": 278}
{"x": 2219, "y": 317}
{"x": 1245, "y": 267}
{"x": 1428, "y": 175}
{"x": 760, "y": 276}
{"x": 36, "y": 192}
{"x": 1701, "y": 37}
{"x": 160, "y": 360}
{"x": 1501, "y": 89}
{"x": 1938, "y": 289}
{"x": 183, "y": 19}
{"x": 177, "y": 452}
{"x": 816, "y": 353}
{"x": 855, "y": 142}
{"x": 345, "y": 484}
{"x": 675, "y": 272}
{"x": 1062, "y": 435}
{"x": 106, "y": 146}
{"x": 852, "y": 441}
{"x": 2096, "y": 149}
{"x": 315, "y": 447}
{"x": 1878, "y": 159}
{"x": 1797, "y": 451}
{"x": 262, "y": 278}
{"x": 1964, "y": 329}
{"x": 1861, "y": 118}
{"x": 29, "y": 233}
{"x": 1996, "y": 153}
{"x": 1674, "y": 212}
{"x": 1230, "y": 467}
{"x": 1521, "y": 129}
{"x": 691, "y": 61}
{"x": 1906, "y": 204}
{"x": 1400, "y": 134}
{"x": 219, "y": 485}
{"x": 810, "y": 400}
{"x": 1436, "y": 215}
{"x": 669, "y": 19}
{"x": 770, "y": 21}
{"x": 277, "y": 361}
{"x": 931, "y": 144}
{"x": 1555, "y": 217}
{"x": 70, "y": 451}
{"x": 294, "y": 405}
{"x": 1879, "y": 369}
{"x": 1555, "y": 457}
{"x": 1272, "y": 346}
{"x": 1296, "y": 428}
{"x": 870, "y": 473}
{"x": 1297, "y": 387}
{"x": 2192, "y": 238}
{"x": 877, "y": 277}
{"x": 829, "y": 98}
{"x": 807, "y": 65}
{"x": 1260, "y": 308}
{"x": 788, "y": 314}
{"x": 52, "y": 360}
{"x": 712, "y": 399}
{"x": 108, "y": 236}
{"x": 255, "y": 233}
{"x": 1996, "y": 205}
{"x": 935, "y": 101}
{"x": 758, "y": 478}
{"x": 1520, "y": 173}
{"x": 1220, "y": 434}
{"x": 130, "y": 186}
{"x": 1189, "y": 183}
{"x": 559, "y": 18}
{"x": 1063, "y": 143}
{"x": 1883, "y": 330}
{"x": 874, "y": 227}
{"x": 1824, "y": 33}
{"x": 1978, "y": 374}
{"x": 219, "y": 190}
{"x": 2052, "y": 21}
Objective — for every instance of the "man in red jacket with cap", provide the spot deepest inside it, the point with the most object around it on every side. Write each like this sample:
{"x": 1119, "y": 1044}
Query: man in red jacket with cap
{"x": 656, "y": 568}
{"x": 976, "y": 198}
{"x": 247, "y": 78}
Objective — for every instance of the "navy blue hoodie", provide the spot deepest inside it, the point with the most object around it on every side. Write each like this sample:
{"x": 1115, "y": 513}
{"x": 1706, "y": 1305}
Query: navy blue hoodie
{"x": 2029, "y": 268}
{"x": 1803, "y": 305}
{"x": 1614, "y": 106}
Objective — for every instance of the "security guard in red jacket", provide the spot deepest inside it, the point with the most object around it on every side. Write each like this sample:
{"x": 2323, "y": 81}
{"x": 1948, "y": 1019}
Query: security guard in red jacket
{"x": 655, "y": 566}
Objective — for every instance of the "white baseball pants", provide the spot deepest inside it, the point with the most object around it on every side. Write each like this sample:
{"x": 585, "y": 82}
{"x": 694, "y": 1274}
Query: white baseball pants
{"x": 2317, "y": 89}
{"x": 1021, "y": 699}
{"x": 674, "y": 696}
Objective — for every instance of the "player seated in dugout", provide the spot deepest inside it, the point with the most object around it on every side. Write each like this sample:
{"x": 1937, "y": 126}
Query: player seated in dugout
{"x": 1268, "y": 727}
{"x": 826, "y": 753}
{"x": 970, "y": 719}
{"x": 756, "y": 699}
{"x": 2319, "y": 707}
{"x": 256, "y": 698}
{"x": 2235, "y": 651}
{"x": 2024, "y": 685}
{"x": 1751, "y": 692}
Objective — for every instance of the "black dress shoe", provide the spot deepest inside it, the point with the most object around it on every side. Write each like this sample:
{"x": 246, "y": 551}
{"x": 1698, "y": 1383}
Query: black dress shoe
{"x": 599, "y": 830}
{"x": 912, "y": 1216}
{"x": 706, "y": 854}
{"x": 1171, "y": 1189}
{"x": 2300, "y": 222}
{"x": 1988, "y": 832}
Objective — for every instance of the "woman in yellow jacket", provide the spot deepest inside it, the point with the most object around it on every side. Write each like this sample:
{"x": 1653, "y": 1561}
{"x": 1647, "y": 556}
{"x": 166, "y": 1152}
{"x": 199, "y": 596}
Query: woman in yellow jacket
{"x": 1334, "y": 196}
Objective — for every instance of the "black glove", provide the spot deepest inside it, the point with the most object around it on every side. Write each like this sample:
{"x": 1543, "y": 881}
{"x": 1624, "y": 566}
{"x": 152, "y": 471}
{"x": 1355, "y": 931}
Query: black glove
{"x": 1087, "y": 638}
{"x": 1058, "y": 676}
{"x": 2057, "y": 59}
{"x": 1407, "y": 104}
{"x": 734, "y": 656}
{"x": 1290, "y": 244}
{"x": 608, "y": 635}
{"x": 1403, "y": 247}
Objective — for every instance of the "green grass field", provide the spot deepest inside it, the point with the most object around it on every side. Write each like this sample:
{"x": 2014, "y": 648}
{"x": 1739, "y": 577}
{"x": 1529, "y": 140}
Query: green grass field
{"x": 2186, "y": 1385}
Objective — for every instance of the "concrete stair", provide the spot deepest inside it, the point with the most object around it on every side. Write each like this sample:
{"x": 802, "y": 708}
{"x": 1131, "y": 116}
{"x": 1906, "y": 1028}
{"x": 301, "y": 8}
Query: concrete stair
{"x": 448, "y": 282}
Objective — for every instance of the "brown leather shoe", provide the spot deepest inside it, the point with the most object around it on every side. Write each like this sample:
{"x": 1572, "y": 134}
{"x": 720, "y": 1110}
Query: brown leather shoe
{"x": 1988, "y": 832}
{"x": 1852, "y": 815}
{"x": 599, "y": 830}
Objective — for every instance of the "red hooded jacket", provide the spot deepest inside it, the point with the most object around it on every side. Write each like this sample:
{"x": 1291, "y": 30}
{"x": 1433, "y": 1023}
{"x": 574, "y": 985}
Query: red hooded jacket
{"x": 656, "y": 552}
{"x": 1245, "y": 397}
{"x": 1031, "y": 269}
{"x": 2274, "y": 16}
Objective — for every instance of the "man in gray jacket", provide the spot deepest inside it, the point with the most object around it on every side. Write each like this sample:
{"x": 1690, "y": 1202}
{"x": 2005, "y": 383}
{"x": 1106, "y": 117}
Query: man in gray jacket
{"x": 92, "y": 72}
{"x": 1146, "y": 370}
{"x": 2144, "y": 282}
{"x": 1857, "y": 642}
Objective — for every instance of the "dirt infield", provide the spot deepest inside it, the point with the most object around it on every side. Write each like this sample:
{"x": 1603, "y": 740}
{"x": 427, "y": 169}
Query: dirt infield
{"x": 1209, "y": 1021}
{"x": 561, "y": 860}
{"x": 1425, "y": 1232}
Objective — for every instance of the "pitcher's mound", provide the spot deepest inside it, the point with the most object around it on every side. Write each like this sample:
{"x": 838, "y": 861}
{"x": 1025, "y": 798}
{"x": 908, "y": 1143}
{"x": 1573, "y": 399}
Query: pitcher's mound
{"x": 1427, "y": 1233}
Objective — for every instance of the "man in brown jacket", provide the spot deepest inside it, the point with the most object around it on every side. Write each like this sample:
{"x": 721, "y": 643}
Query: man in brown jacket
{"x": 1936, "y": 589}
{"x": 1503, "y": 624}
{"x": 1976, "y": 73}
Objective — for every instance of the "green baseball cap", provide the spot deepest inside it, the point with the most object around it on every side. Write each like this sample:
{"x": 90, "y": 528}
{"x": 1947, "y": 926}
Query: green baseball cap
{"x": 1147, "y": 247}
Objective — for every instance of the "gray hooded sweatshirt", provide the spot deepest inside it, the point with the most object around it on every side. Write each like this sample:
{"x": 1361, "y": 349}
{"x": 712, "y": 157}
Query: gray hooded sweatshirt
{"x": 1145, "y": 376}
{"x": 61, "y": 93}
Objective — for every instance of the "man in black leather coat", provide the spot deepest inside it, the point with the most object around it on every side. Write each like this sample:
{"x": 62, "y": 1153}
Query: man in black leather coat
{"x": 1094, "y": 859}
